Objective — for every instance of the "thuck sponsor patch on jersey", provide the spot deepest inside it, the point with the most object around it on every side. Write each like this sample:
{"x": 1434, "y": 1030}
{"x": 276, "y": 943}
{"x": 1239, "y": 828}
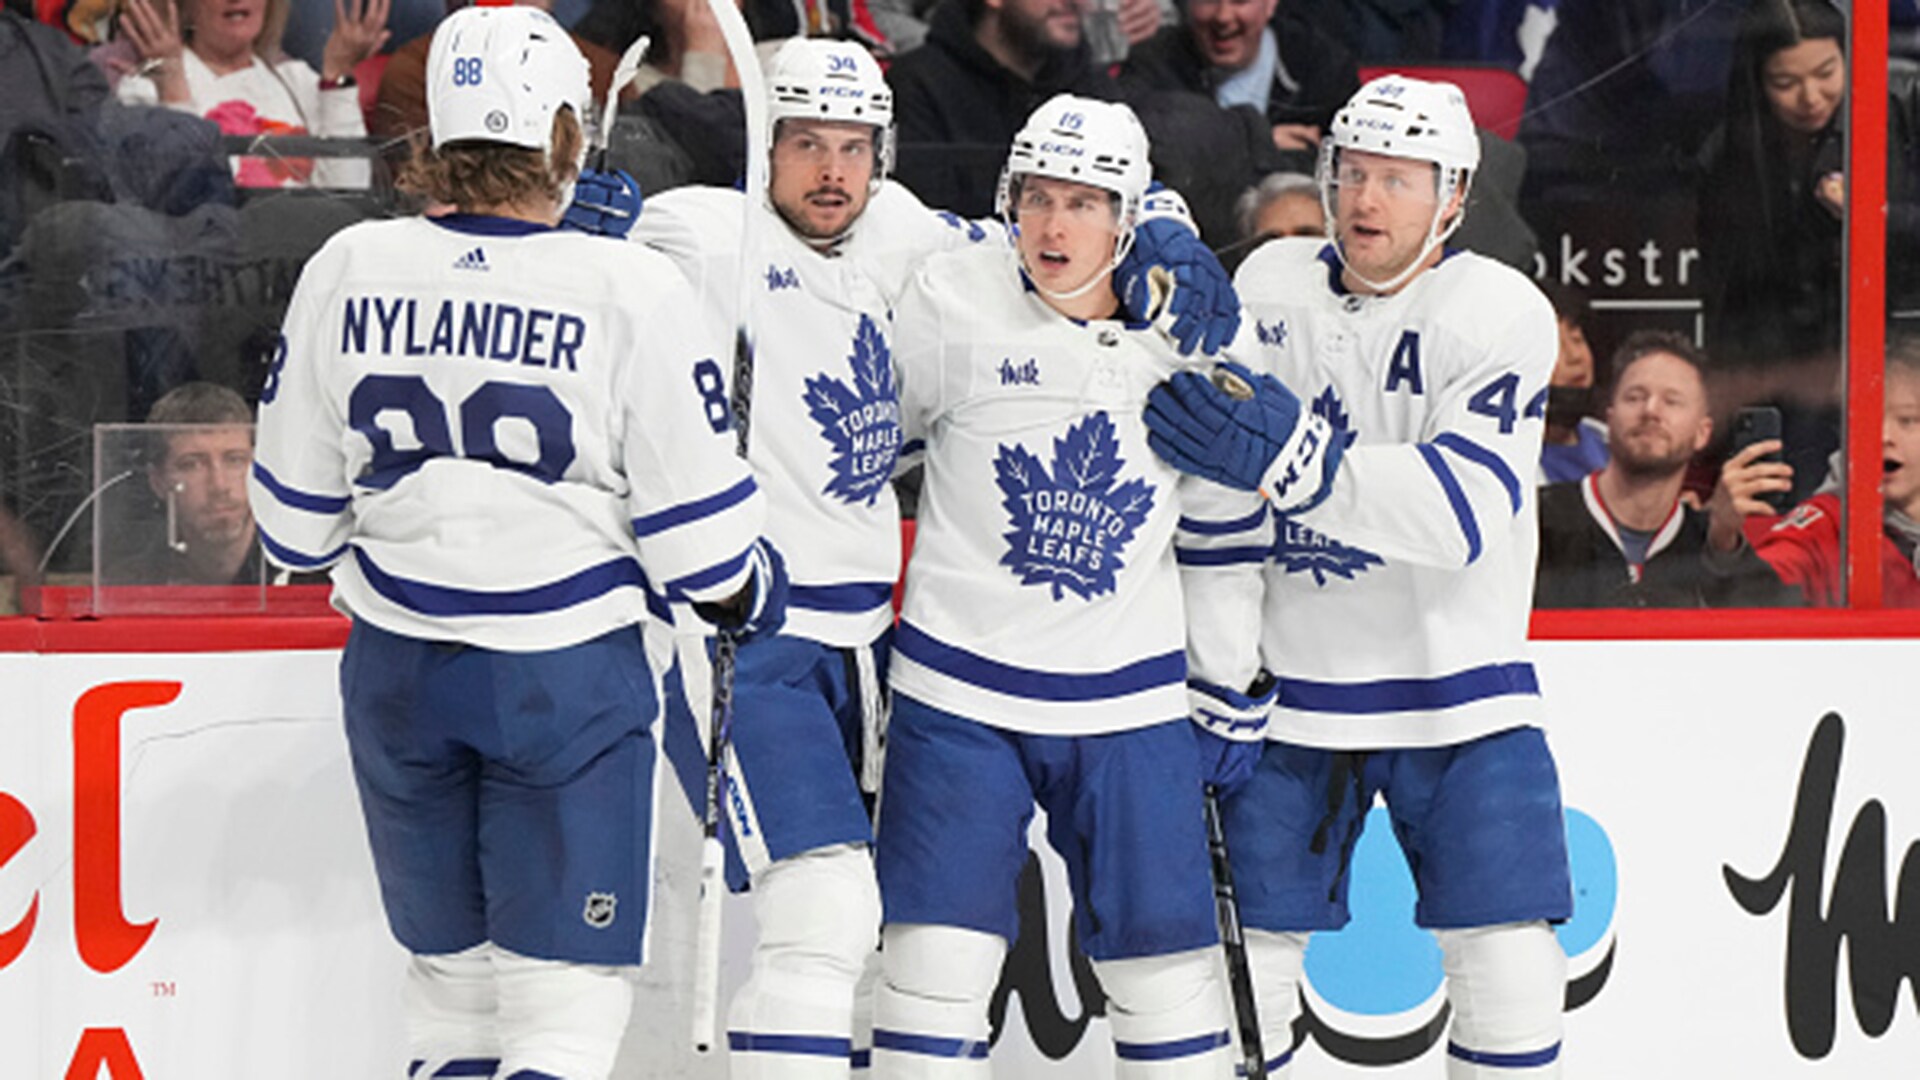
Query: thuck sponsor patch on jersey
{"x": 1071, "y": 524}
{"x": 860, "y": 422}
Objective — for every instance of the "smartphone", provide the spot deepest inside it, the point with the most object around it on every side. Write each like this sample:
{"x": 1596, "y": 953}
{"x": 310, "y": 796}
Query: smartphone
{"x": 1758, "y": 423}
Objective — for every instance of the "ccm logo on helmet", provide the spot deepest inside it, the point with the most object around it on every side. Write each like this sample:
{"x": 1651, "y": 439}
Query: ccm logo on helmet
{"x": 842, "y": 91}
{"x": 1062, "y": 148}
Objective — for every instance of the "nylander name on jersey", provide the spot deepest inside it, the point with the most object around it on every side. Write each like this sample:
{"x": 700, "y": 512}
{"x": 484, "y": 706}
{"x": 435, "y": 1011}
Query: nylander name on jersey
{"x": 479, "y": 329}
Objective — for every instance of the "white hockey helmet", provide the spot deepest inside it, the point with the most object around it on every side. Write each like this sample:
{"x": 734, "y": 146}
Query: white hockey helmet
{"x": 501, "y": 74}
{"x": 1098, "y": 143}
{"x": 837, "y": 81}
{"x": 1403, "y": 117}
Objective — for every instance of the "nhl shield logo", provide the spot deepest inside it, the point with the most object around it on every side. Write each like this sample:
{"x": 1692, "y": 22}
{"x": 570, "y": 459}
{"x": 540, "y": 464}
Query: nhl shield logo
{"x": 599, "y": 910}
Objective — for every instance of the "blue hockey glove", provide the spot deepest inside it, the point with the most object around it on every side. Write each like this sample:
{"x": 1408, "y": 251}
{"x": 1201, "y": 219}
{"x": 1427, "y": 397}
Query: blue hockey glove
{"x": 1245, "y": 431}
{"x": 604, "y": 204}
{"x": 1233, "y": 728}
{"x": 1172, "y": 280}
{"x": 766, "y": 609}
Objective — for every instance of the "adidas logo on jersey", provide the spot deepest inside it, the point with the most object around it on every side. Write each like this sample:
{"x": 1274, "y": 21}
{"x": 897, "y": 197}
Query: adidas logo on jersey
{"x": 472, "y": 260}
{"x": 778, "y": 279}
{"x": 1275, "y": 335}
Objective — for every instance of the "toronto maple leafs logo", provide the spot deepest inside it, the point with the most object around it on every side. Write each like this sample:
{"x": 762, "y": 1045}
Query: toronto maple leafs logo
{"x": 1300, "y": 550}
{"x": 1071, "y": 525}
{"x": 860, "y": 422}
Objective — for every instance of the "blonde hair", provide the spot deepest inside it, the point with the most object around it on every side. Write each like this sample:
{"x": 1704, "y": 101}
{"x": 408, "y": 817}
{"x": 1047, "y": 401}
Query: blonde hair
{"x": 474, "y": 173}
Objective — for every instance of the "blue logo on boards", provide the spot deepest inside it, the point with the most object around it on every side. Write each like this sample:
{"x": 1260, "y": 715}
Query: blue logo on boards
{"x": 1381, "y": 964}
{"x": 860, "y": 422}
{"x": 1071, "y": 525}
{"x": 1300, "y": 550}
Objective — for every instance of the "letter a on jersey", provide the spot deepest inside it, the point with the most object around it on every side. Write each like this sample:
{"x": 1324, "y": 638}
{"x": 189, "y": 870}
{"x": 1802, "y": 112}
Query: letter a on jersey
{"x": 1405, "y": 367}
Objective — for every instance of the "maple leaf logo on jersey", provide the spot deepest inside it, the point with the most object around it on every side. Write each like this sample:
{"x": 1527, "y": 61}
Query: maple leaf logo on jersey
{"x": 1070, "y": 525}
{"x": 1299, "y": 549}
{"x": 860, "y": 422}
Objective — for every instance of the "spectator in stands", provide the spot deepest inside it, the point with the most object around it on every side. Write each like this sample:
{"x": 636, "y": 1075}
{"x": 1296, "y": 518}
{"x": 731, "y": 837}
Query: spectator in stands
{"x": 1804, "y": 545}
{"x": 1575, "y": 443}
{"x": 1623, "y": 537}
{"x": 221, "y": 59}
{"x": 1281, "y": 204}
{"x": 1772, "y": 190}
{"x": 986, "y": 66}
{"x": 198, "y": 472}
{"x": 1245, "y": 54}
{"x": 50, "y": 100}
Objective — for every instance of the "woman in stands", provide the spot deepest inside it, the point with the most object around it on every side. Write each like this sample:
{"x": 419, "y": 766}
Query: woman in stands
{"x": 221, "y": 59}
{"x": 1772, "y": 215}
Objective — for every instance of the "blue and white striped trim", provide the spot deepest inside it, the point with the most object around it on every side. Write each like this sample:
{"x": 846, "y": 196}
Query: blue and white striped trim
{"x": 929, "y": 1045}
{"x": 853, "y": 597}
{"x": 1411, "y": 695}
{"x": 969, "y": 667}
{"x": 1231, "y": 556}
{"x": 1530, "y": 1060}
{"x": 1175, "y": 1048}
{"x": 297, "y": 499}
{"x": 1457, "y": 498}
{"x": 1486, "y": 459}
{"x": 298, "y": 560}
{"x": 680, "y": 587}
{"x": 447, "y": 601}
{"x": 1216, "y": 527}
{"x": 481, "y": 1067}
{"x": 674, "y": 516}
{"x": 752, "y": 1042}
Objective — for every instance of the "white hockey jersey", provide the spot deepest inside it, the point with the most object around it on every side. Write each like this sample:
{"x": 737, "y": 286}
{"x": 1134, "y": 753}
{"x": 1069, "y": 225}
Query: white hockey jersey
{"x": 1042, "y": 596}
{"x": 480, "y": 423}
{"x": 825, "y": 419}
{"x": 1396, "y": 611}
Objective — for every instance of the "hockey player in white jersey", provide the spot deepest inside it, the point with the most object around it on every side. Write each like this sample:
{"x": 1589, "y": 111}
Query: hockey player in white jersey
{"x": 1039, "y": 658}
{"x": 499, "y": 436}
{"x": 1394, "y": 421}
{"x": 831, "y": 247}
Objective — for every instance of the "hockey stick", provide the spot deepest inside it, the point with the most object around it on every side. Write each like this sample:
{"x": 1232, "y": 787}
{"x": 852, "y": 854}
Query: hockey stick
{"x": 706, "y": 958}
{"x": 623, "y": 74}
{"x": 1226, "y": 907}
{"x": 713, "y": 856}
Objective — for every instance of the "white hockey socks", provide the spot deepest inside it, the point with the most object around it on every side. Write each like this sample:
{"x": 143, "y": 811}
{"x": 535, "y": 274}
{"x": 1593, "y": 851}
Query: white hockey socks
{"x": 1277, "y": 961}
{"x": 1169, "y": 1016}
{"x": 560, "y": 1021}
{"x": 448, "y": 1002}
{"x": 930, "y": 1010}
{"x": 819, "y": 917}
{"x": 1507, "y": 985}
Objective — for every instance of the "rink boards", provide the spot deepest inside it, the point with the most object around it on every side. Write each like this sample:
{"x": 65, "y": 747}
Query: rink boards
{"x": 185, "y": 890}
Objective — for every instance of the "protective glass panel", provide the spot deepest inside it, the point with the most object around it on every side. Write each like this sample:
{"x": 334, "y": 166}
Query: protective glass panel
{"x": 172, "y": 529}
